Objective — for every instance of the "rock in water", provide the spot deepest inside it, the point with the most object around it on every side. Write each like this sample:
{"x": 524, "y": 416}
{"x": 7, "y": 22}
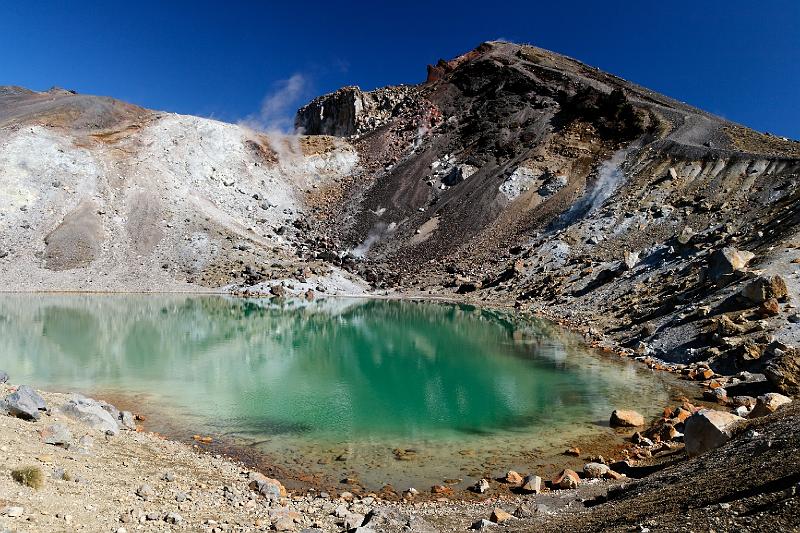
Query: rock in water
{"x": 91, "y": 413}
{"x": 768, "y": 404}
{"x": 567, "y": 479}
{"x": 708, "y": 429}
{"x": 763, "y": 288}
{"x": 3, "y": 377}
{"x": 25, "y": 403}
{"x": 727, "y": 261}
{"x": 532, "y": 484}
{"x": 626, "y": 418}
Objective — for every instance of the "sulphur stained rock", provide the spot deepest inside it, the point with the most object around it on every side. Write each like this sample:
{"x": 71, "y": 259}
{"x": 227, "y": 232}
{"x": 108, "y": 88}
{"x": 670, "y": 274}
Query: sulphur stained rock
{"x": 626, "y": 418}
{"x": 708, "y": 429}
{"x": 567, "y": 479}
{"x": 512, "y": 477}
{"x": 768, "y": 404}
{"x": 499, "y": 516}
{"x": 763, "y": 288}
{"x": 783, "y": 371}
{"x": 727, "y": 261}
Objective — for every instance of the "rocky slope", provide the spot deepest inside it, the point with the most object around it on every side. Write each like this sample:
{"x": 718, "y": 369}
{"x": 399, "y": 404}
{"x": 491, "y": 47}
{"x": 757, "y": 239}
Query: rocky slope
{"x": 518, "y": 175}
{"x": 513, "y": 176}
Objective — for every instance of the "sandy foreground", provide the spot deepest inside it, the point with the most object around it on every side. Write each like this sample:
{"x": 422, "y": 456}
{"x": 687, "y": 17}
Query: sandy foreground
{"x": 139, "y": 481}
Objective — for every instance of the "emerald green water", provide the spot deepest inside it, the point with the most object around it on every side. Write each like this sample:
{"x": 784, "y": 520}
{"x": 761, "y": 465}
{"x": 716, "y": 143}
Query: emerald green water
{"x": 328, "y": 388}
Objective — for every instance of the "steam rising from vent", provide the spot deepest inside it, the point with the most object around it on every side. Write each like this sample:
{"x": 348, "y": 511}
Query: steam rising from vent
{"x": 609, "y": 177}
{"x": 378, "y": 232}
{"x": 276, "y": 117}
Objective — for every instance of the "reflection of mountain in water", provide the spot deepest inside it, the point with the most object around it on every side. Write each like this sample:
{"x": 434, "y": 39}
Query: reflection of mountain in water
{"x": 358, "y": 367}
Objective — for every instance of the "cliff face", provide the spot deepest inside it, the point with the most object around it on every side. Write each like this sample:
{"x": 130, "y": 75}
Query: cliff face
{"x": 351, "y": 111}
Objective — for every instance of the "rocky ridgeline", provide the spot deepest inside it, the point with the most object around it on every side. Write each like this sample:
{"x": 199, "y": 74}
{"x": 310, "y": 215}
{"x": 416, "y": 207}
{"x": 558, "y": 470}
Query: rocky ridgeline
{"x": 350, "y": 111}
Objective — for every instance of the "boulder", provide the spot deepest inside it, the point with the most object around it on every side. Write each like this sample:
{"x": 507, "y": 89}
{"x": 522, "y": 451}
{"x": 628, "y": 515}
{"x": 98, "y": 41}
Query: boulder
{"x": 708, "y": 429}
{"x": 783, "y": 371}
{"x": 127, "y": 420}
{"x": 25, "y": 403}
{"x": 727, "y": 261}
{"x": 482, "y": 524}
{"x": 595, "y": 470}
{"x": 763, "y": 288}
{"x": 630, "y": 260}
{"x": 271, "y": 489}
{"x": 3, "y": 377}
{"x": 91, "y": 413}
{"x": 626, "y": 418}
{"x": 480, "y": 487}
{"x": 768, "y": 404}
{"x": 532, "y": 484}
{"x": 512, "y": 477}
{"x": 499, "y": 516}
{"x": 566, "y": 479}
{"x": 57, "y": 435}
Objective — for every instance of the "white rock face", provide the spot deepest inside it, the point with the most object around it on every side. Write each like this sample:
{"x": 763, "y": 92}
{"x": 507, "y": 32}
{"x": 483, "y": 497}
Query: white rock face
{"x": 150, "y": 204}
{"x": 521, "y": 180}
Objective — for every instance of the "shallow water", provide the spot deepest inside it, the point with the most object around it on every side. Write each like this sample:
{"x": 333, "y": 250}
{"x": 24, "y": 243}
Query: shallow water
{"x": 331, "y": 388}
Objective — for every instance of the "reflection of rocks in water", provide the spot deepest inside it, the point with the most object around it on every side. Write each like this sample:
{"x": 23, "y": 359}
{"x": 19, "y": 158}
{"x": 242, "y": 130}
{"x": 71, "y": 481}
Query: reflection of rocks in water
{"x": 398, "y": 385}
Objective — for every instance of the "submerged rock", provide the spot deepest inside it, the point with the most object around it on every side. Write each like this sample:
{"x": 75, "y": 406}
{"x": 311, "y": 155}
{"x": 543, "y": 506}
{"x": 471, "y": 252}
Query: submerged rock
{"x": 708, "y": 429}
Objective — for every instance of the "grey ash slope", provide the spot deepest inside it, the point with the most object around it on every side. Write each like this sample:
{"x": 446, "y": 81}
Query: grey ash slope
{"x": 520, "y": 174}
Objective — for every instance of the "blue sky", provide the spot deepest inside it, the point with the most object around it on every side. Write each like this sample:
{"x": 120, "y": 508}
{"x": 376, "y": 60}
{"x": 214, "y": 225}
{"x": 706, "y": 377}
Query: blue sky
{"x": 739, "y": 59}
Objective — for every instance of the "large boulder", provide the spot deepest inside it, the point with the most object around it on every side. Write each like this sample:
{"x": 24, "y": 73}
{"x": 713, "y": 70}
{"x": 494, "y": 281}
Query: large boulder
{"x": 727, "y": 261}
{"x": 532, "y": 484}
{"x": 626, "y": 418}
{"x": 708, "y": 429}
{"x": 92, "y": 413}
{"x": 769, "y": 403}
{"x": 783, "y": 371}
{"x": 595, "y": 470}
{"x": 763, "y": 288}
{"x": 271, "y": 489}
{"x": 25, "y": 403}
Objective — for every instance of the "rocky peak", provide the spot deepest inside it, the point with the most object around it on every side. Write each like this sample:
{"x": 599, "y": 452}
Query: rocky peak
{"x": 350, "y": 111}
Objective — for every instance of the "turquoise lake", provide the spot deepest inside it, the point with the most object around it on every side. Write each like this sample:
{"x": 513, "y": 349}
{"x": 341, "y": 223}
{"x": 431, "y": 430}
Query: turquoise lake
{"x": 332, "y": 388}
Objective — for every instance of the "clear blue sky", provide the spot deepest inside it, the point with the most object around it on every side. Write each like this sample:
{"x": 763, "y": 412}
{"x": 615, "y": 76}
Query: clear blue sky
{"x": 737, "y": 58}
